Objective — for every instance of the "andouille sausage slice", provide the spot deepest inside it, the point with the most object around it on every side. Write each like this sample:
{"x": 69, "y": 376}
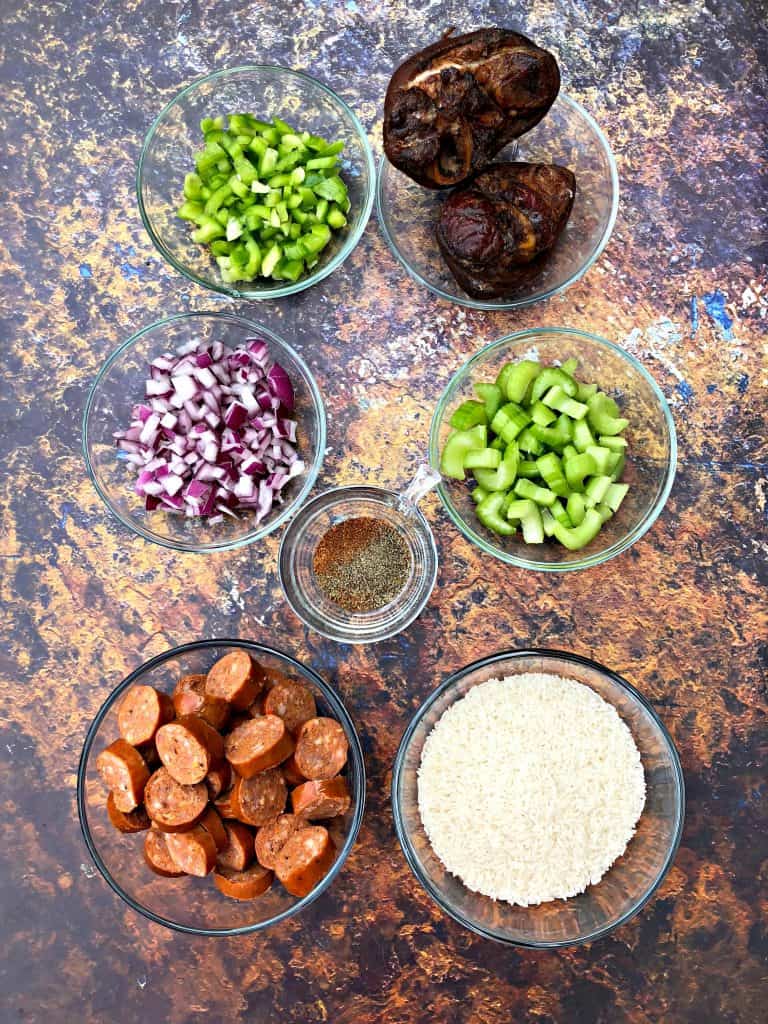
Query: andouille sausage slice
{"x": 189, "y": 748}
{"x": 226, "y": 805}
{"x": 127, "y": 821}
{"x": 243, "y": 885}
{"x": 271, "y": 838}
{"x": 124, "y": 771}
{"x": 305, "y": 859}
{"x": 292, "y": 702}
{"x": 321, "y": 748}
{"x": 157, "y": 856}
{"x": 218, "y": 779}
{"x": 211, "y": 822}
{"x": 142, "y": 711}
{"x": 258, "y": 744}
{"x": 238, "y": 853}
{"x": 236, "y": 679}
{"x": 260, "y": 799}
{"x": 172, "y": 806}
{"x": 291, "y": 773}
{"x": 190, "y": 698}
{"x": 194, "y": 852}
{"x": 321, "y": 799}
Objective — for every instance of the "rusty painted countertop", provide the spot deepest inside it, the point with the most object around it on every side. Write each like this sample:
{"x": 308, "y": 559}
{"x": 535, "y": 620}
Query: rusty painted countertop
{"x": 678, "y": 88}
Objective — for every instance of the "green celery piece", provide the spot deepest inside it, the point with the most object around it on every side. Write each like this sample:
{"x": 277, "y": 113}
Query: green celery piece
{"x": 478, "y": 494}
{"x": 618, "y": 469}
{"x": 509, "y": 420}
{"x": 489, "y": 514}
{"x": 603, "y": 415}
{"x": 596, "y": 489}
{"x": 547, "y": 522}
{"x": 335, "y": 218}
{"x": 577, "y": 468}
{"x": 617, "y": 444}
{"x": 541, "y": 495}
{"x": 498, "y": 442}
{"x": 585, "y": 391}
{"x": 483, "y": 458}
{"x": 541, "y": 415}
{"x": 559, "y": 513}
{"x": 570, "y": 366}
{"x": 520, "y": 378}
{"x": 579, "y": 536}
{"x": 502, "y": 478}
{"x": 569, "y": 451}
{"x": 614, "y": 496}
{"x": 556, "y": 398}
{"x": 457, "y": 446}
{"x": 603, "y": 457}
{"x": 550, "y": 378}
{"x": 551, "y": 472}
{"x": 604, "y": 511}
{"x": 530, "y": 443}
{"x": 551, "y": 437}
{"x": 191, "y": 210}
{"x": 576, "y": 507}
{"x": 528, "y": 469}
{"x": 528, "y": 514}
{"x": 468, "y": 414}
{"x": 582, "y": 436}
{"x": 490, "y": 395}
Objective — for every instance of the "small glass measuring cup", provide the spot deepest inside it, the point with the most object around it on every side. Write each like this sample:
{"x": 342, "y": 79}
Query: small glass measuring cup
{"x": 303, "y": 534}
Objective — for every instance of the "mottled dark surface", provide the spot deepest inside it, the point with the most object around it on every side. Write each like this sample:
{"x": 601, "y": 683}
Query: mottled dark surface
{"x": 680, "y": 91}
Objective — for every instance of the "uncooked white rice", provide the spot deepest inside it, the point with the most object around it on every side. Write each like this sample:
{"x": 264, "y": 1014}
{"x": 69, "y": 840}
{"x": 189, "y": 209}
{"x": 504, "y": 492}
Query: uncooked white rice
{"x": 530, "y": 787}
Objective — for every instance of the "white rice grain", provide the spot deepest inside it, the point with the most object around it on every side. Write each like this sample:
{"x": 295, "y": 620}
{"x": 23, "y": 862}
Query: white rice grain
{"x": 530, "y": 787}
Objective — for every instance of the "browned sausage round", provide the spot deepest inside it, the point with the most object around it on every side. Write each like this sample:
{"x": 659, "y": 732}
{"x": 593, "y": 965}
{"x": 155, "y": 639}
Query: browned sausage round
{"x": 305, "y": 859}
{"x": 188, "y": 748}
{"x": 130, "y": 821}
{"x": 226, "y": 805}
{"x": 212, "y": 823}
{"x": 258, "y": 744}
{"x": 194, "y": 852}
{"x": 190, "y": 698}
{"x": 142, "y": 711}
{"x": 238, "y": 853}
{"x": 171, "y": 806}
{"x": 157, "y": 855}
{"x": 321, "y": 799}
{"x": 321, "y": 748}
{"x": 235, "y": 678}
{"x": 291, "y": 773}
{"x": 243, "y": 885}
{"x": 124, "y": 771}
{"x": 292, "y": 702}
{"x": 271, "y": 838}
{"x": 260, "y": 799}
{"x": 218, "y": 779}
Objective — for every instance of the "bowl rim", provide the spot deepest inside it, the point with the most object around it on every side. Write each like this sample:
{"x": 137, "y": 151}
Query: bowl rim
{"x": 467, "y": 300}
{"x": 407, "y": 848}
{"x": 587, "y": 561}
{"x": 375, "y": 492}
{"x": 288, "y": 510}
{"x": 321, "y": 271}
{"x": 355, "y": 748}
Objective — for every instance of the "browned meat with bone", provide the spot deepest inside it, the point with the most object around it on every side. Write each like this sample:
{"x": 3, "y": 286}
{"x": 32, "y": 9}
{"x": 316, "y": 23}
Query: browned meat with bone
{"x": 491, "y": 230}
{"x": 451, "y": 107}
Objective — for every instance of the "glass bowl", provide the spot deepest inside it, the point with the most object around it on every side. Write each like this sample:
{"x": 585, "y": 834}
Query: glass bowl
{"x": 120, "y": 385}
{"x": 187, "y": 904}
{"x": 268, "y": 92}
{"x": 628, "y": 884}
{"x": 651, "y": 455}
{"x": 302, "y": 591}
{"x": 567, "y": 135}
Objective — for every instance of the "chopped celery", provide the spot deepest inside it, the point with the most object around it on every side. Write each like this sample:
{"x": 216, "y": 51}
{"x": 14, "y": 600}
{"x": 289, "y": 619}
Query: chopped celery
{"x": 456, "y": 448}
{"x": 482, "y": 458}
{"x": 502, "y": 477}
{"x": 541, "y": 495}
{"x": 579, "y": 536}
{"x": 490, "y": 395}
{"x": 556, "y": 398}
{"x": 520, "y": 378}
{"x": 489, "y": 514}
{"x": 468, "y": 414}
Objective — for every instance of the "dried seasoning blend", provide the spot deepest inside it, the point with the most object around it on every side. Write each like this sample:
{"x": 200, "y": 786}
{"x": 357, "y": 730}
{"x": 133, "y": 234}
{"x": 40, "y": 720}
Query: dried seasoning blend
{"x": 361, "y": 564}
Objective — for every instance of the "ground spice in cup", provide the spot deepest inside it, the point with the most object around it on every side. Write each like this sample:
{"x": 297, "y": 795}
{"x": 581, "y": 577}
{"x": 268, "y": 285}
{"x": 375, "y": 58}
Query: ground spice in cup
{"x": 361, "y": 564}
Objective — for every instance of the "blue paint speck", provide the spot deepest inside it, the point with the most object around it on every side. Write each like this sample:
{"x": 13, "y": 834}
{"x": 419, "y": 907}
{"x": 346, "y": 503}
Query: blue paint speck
{"x": 630, "y": 46}
{"x": 129, "y": 271}
{"x": 694, "y": 314}
{"x": 85, "y": 270}
{"x": 352, "y": 6}
{"x": 743, "y": 383}
{"x": 685, "y": 391}
{"x": 711, "y": 389}
{"x": 714, "y": 303}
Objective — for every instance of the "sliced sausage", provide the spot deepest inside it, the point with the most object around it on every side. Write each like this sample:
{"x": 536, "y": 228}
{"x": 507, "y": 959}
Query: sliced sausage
{"x": 292, "y": 702}
{"x": 194, "y": 852}
{"x": 124, "y": 771}
{"x": 321, "y": 799}
{"x": 235, "y": 678}
{"x": 157, "y": 856}
{"x": 171, "y": 806}
{"x": 243, "y": 885}
{"x": 142, "y": 711}
{"x": 271, "y": 838}
{"x": 226, "y": 805}
{"x": 238, "y": 853}
{"x": 127, "y": 821}
{"x": 218, "y": 779}
{"x": 212, "y": 823}
{"x": 260, "y": 799}
{"x": 188, "y": 748}
{"x": 305, "y": 859}
{"x": 258, "y": 744}
{"x": 321, "y": 748}
{"x": 190, "y": 698}
{"x": 291, "y": 773}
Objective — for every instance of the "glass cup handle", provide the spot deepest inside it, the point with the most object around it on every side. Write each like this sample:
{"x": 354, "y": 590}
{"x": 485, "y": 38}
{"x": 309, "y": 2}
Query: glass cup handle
{"x": 424, "y": 480}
